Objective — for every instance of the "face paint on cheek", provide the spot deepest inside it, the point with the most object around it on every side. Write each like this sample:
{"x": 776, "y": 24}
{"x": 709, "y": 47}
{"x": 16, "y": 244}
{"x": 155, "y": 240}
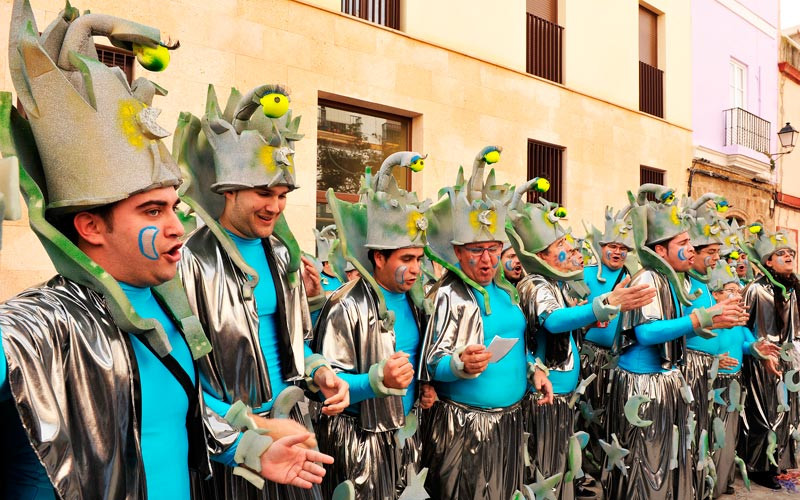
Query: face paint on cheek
{"x": 682, "y": 254}
{"x": 509, "y": 265}
{"x": 147, "y": 242}
{"x": 623, "y": 254}
{"x": 400, "y": 275}
{"x": 707, "y": 261}
{"x": 472, "y": 262}
{"x": 608, "y": 254}
{"x": 562, "y": 256}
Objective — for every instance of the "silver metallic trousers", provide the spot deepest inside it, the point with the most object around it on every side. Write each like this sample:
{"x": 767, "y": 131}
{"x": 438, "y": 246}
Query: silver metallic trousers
{"x": 696, "y": 372}
{"x": 649, "y": 476}
{"x": 373, "y": 461}
{"x": 597, "y": 393}
{"x": 473, "y": 453}
{"x": 723, "y": 458}
{"x": 225, "y": 486}
{"x": 550, "y": 427}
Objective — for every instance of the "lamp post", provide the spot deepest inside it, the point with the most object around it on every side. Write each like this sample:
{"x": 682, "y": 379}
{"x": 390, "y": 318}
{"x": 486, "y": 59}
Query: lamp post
{"x": 787, "y": 137}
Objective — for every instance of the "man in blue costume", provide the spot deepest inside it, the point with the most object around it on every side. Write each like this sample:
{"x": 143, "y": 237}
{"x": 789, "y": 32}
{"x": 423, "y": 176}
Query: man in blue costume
{"x": 546, "y": 254}
{"x": 99, "y": 363}
{"x": 242, "y": 271}
{"x": 371, "y": 330}
{"x": 474, "y": 433}
{"x": 652, "y": 345}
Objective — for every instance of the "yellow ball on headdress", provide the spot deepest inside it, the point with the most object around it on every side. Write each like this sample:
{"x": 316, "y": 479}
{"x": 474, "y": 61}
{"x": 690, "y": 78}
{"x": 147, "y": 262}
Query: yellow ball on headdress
{"x": 152, "y": 58}
{"x": 275, "y": 105}
{"x": 492, "y": 156}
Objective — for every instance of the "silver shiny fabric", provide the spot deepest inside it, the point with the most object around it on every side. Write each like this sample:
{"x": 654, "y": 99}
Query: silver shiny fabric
{"x": 649, "y": 476}
{"x": 236, "y": 370}
{"x": 597, "y": 394}
{"x": 538, "y": 297}
{"x": 456, "y": 321}
{"x": 473, "y": 453}
{"x": 760, "y": 410}
{"x": 696, "y": 372}
{"x": 550, "y": 427}
{"x": 225, "y": 485}
{"x": 723, "y": 458}
{"x": 352, "y": 337}
{"x": 74, "y": 379}
{"x": 662, "y": 307}
{"x": 373, "y": 461}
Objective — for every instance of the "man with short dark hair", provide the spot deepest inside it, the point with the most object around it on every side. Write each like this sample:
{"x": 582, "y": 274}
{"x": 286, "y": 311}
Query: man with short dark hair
{"x": 511, "y": 266}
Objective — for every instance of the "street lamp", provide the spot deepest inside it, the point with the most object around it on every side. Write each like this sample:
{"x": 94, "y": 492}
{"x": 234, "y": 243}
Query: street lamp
{"x": 787, "y": 136}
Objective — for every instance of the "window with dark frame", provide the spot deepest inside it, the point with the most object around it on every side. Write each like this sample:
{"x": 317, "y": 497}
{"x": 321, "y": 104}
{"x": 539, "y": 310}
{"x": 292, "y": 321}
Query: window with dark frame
{"x": 349, "y": 139}
{"x": 546, "y": 160}
{"x": 650, "y": 175}
{"x": 384, "y": 12}
{"x": 544, "y": 40}
{"x": 651, "y": 79}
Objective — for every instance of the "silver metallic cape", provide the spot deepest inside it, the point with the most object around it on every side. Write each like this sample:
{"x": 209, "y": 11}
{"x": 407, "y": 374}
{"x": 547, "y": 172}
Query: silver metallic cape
{"x": 373, "y": 461}
{"x": 236, "y": 369}
{"x": 723, "y": 458}
{"x": 649, "y": 476}
{"x": 550, "y": 427}
{"x": 760, "y": 410}
{"x": 473, "y": 453}
{"x": 696, "y": 372}
{"x": 455, "y": 322}
{"x": 539, "y": 297}
{"x": 672, "y": 353}
{"x": 74, "y": 379}
{"x": 352, "y": 337}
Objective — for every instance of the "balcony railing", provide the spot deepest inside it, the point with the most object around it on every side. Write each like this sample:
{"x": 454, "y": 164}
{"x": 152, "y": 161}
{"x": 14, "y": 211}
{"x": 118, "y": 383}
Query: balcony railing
{"x": 651, "y": 90}
{"x": 385, "y": 12}
{"x": 544, "y": 46}
{"x": 746, "y": 129}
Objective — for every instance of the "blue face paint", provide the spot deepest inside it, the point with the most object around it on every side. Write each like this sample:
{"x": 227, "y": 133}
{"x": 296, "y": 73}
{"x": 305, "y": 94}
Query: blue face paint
{"x": 472, "y": 262}
{"x": 400, "y": 275}
{"x": 562, "y": 256}
{"x": 608, "y": 254}
{"x": 623, "y": 254}
{"x": 682, "y": 254}
{"x": 496, "y": 264}
{"x": 147, "y": 242}
{"x": 509, "y": 265}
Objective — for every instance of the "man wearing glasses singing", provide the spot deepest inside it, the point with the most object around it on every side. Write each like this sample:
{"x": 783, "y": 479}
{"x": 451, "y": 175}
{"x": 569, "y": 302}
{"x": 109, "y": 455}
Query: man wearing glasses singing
{"x": 771, "y": 301}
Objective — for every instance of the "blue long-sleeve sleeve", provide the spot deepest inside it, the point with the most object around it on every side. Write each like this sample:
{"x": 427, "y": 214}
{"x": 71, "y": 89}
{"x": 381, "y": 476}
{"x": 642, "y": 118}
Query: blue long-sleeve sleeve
{"x": 443, "y": 371}
{"x": 226, "y": 457}
{"x": 567, "y": 319}
{"x": 359, "y": 386}
{"x": 4, "y": 392}
{"x": 658, "y": 332}
{"x": 749, "y": 340}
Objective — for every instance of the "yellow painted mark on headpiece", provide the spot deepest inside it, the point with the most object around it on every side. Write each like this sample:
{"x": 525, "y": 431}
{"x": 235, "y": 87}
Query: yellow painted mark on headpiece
{"x": 483, "y": 218}
{"x": 126, "y": 118}
{"x": 416, "y": 224}
{"x": 673, "y": 215}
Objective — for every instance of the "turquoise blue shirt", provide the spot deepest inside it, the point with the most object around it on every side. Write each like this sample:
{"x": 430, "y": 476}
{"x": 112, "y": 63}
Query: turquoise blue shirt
{"x": 407, "y": 339}
{"x": 736, "y": 342}
{"x": 504, "y": 382}
{"x": 601, "y": 336}
{"x": 329, "y": 283}
{"x": 697, "y": 342}
{"x": 164, "y": 441}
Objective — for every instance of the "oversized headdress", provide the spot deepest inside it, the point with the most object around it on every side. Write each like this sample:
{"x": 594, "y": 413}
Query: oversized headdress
{"x": 658, "y": 222}
{"x": 760, "y": 244}
{"x": 329, "y": 249}
{"x": 618, "y": 229}
{"x": 468, "y": 212}
{"x": 706, "y": 224}
{"x": 239, "y": 148}
{"x": 89, "y": 139}
{"x": 325, "y": 239}
{"x": 720, "y": 276}
{"x": 532, "y": 227}
{"x": 385, "y": 218}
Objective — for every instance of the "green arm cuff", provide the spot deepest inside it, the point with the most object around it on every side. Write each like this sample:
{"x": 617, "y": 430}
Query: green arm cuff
{"x": 312, "y": 364}
{"x": 457, "y": 366}
{"x": 705, "y": 315}
{"x": 376, "y": 382}
{"x": 316, "y": 303}
{"x": 239, "y": 415}
{"x": 248, "y": 453}
{"x": 603, "y": 311}
{"x": 755, "y": 352}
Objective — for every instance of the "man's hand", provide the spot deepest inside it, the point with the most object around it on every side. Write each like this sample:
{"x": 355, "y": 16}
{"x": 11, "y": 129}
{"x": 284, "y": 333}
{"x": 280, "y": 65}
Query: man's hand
{"x": 398, "y": 372}
{"x": 543, "y": 386}
{"x": 311, "y": 278}
{"x": 335, "y": 390}
{"x": 733, "y": 314}
{"x": 773, "y": 366}
{"x": 767, "y": 348}
{"x": 427, "y": 396}
{"x": 631, "y": 298}
{"x": 475, "y": 358}
{"x": 279, "y": 428}
{"x": 726, "y": 361}
{"x": 287, "y": 462}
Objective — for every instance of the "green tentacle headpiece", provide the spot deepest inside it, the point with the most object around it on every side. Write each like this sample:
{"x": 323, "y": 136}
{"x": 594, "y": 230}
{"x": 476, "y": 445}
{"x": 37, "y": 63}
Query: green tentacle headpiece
{"x": 761, "y": 245}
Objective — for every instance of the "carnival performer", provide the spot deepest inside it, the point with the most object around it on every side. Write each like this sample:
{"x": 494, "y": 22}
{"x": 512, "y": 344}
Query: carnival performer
{"x": 474, "y": 432}
{"x": 325, "y": 238}
{"x": 771, "y": 301}
{"x": 615, "y": 261}
{"x": 244, "y": 275}
{"x": 371, "y": 330}
{"x": 552, "y": 324}
{"x": 511, "y": 266}
{"x": 100, "y": 361}
{"x": 652, "y": 343}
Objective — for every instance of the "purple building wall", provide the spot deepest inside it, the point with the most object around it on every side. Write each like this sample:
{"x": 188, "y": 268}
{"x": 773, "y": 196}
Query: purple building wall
{"x": 720, "y": 35}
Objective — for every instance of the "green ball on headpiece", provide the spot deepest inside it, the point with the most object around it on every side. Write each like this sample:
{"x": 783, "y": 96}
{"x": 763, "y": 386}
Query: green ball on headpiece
{"x": 561, "y": 212}
{"x": 152, "y": 58}
{"x": 542, "y": 185}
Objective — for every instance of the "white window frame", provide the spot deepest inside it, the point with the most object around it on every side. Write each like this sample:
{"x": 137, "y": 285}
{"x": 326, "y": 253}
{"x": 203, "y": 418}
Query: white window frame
{"x": 737, "y": 89}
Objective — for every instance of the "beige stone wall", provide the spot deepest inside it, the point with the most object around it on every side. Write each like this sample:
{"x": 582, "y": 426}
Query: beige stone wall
{"x": 459, "y": 103}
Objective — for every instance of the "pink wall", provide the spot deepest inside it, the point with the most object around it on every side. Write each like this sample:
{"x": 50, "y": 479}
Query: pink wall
{"x": 718, "y": 36}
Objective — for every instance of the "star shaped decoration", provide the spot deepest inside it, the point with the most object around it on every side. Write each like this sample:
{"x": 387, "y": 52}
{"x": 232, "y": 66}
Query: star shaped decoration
{"x": 616, "y": 454}
{"x": 542, "y": 489}
{"x": 415, "y": 484}
{"x": 407, "y": 431}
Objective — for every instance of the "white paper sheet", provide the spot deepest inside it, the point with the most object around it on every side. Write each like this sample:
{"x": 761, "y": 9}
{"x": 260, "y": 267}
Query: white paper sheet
{"x": 499, "y": 347}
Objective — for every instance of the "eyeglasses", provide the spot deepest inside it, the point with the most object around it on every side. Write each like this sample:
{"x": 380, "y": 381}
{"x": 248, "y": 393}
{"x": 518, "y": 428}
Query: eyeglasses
{"x": 616, "y": 248}
{"x": 731, "y": 289}
{"x": 785, "y": 252}
{"x": 493, "y": 250}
